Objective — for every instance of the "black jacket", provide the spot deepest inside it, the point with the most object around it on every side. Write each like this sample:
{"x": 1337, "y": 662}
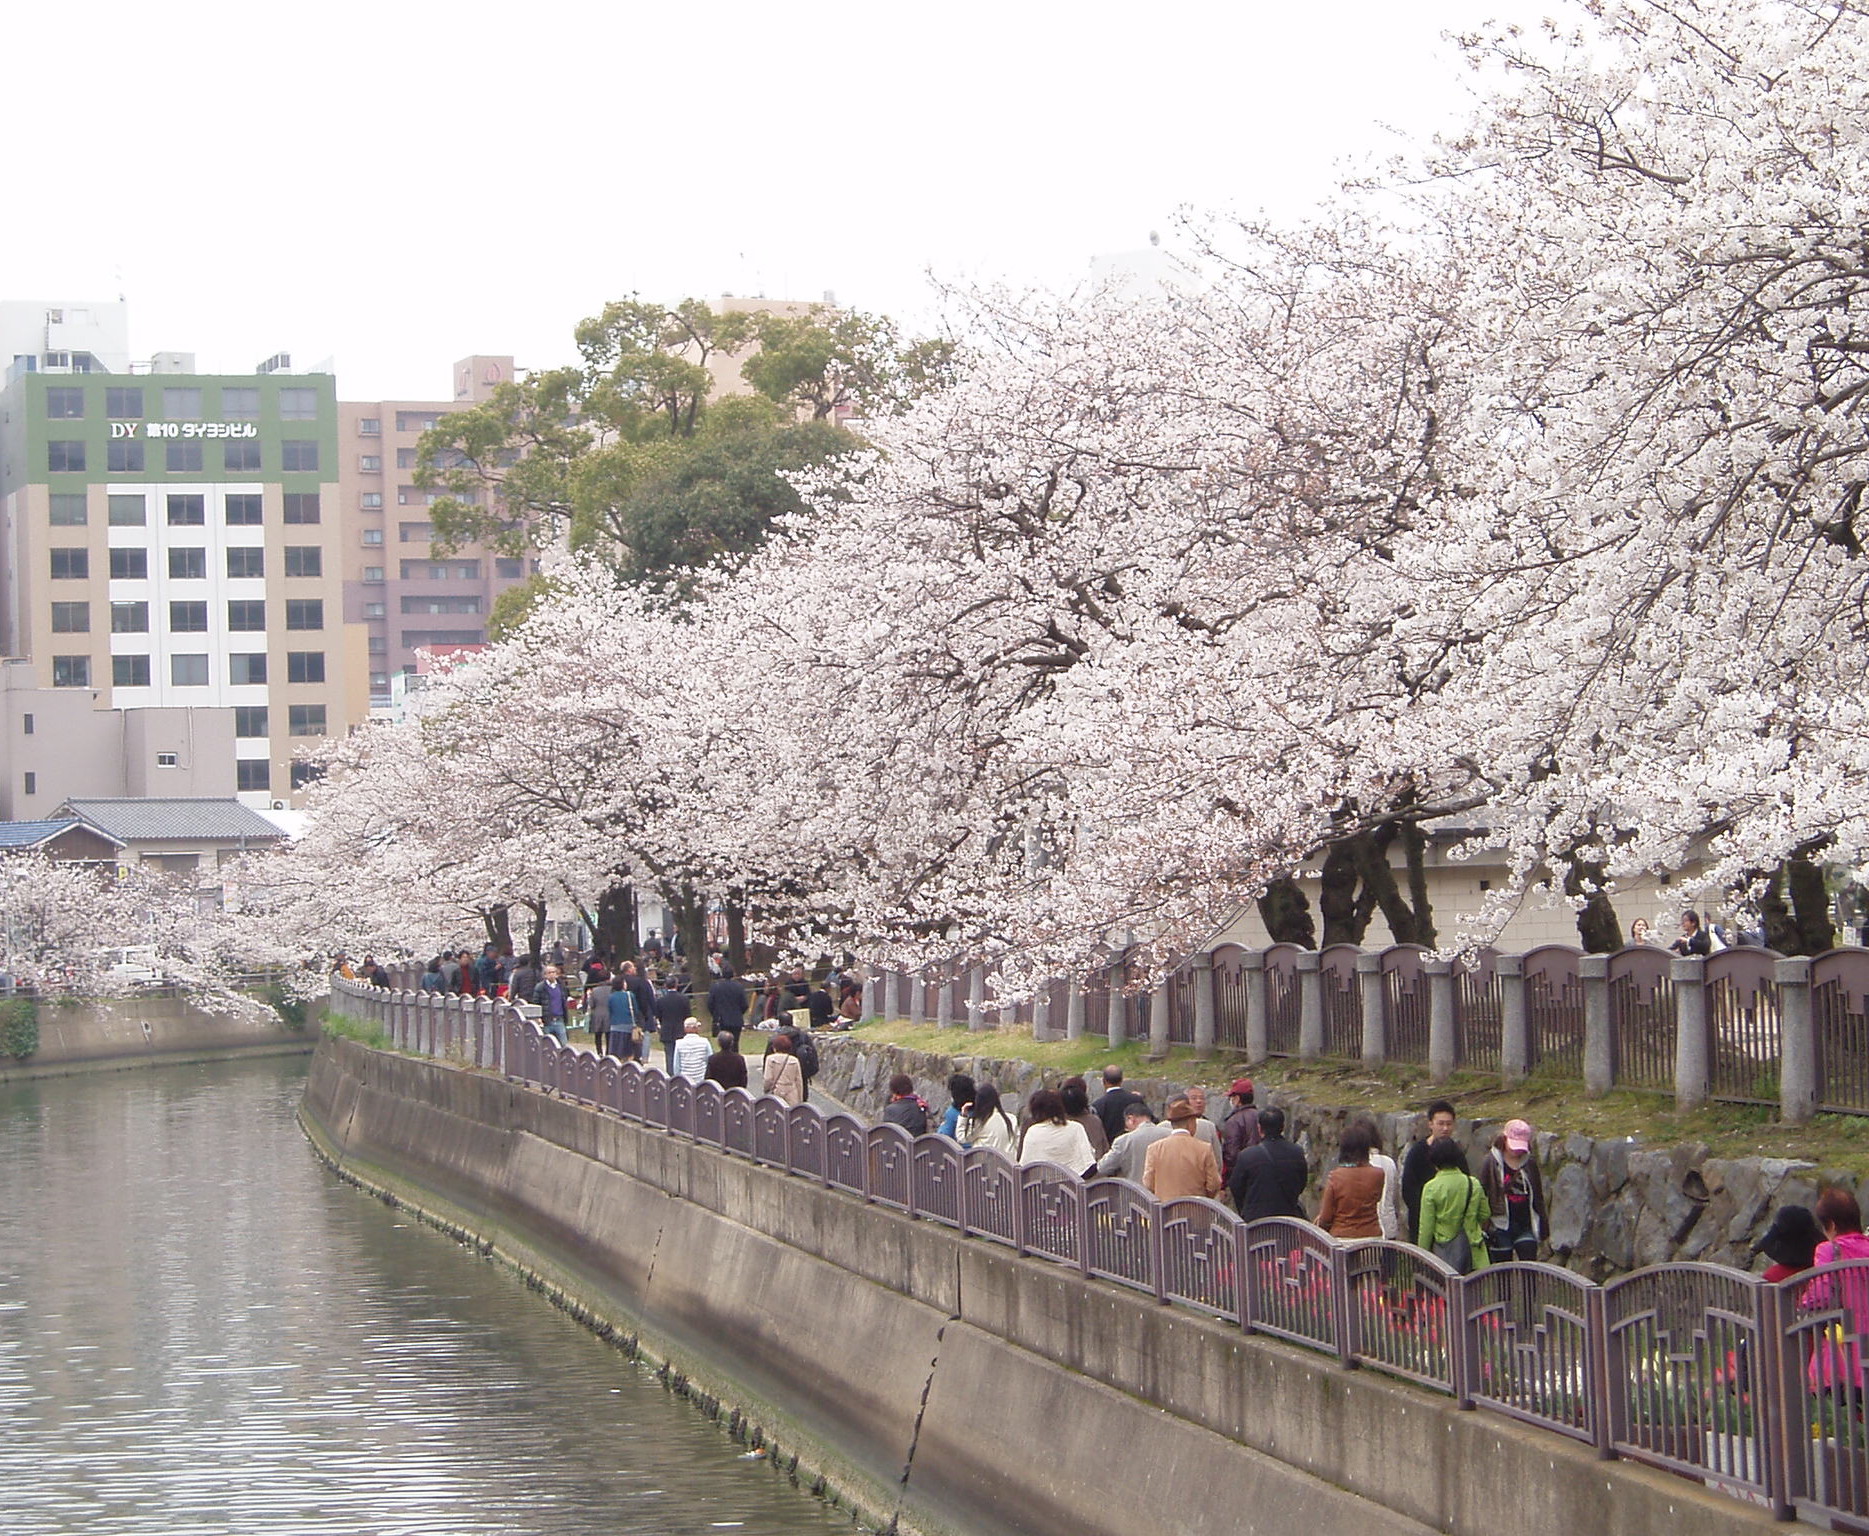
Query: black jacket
{"x": 1109, "y": 1109}
{"x": 1416, "y": 1171}
{"x": 726, "y": 1002}
{"x": 671, "y": 1012}
{"x": 908, "y": 1114}
{"x": 1268, "y": 1179}
{"x": 728, "y": 1068}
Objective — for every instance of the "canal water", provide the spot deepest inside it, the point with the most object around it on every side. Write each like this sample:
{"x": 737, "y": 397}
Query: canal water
{"x": 203, "y": 1331}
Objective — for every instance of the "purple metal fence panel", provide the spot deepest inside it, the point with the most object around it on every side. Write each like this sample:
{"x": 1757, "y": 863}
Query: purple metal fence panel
{"x": 936, "y": 1167}
{"x": 1821, "y": 1318}
{"x": 1292, "y": 1284}
{"x": 1478, "y": 1009}
{"x": 1743, "y": 1018}
{"x": 1051, "y": 1213}
{"x": 992, "y": 1195}
{"x": 1401, "y": 1307}
{"x": 1200, "y": 1256}
{"x": 1641, "y": 1016}
{"x": 1343, "y": 1001}
{"x": 769, "y": 1127}
{"x": 1120, "y": 1221}
{"x": 845, "y": 1162}
{"x": 1554, "y": 1007}
{"x": 804, "y": 1141}
{"x": 680, "y": 1107}
{"x": 629, "y": 1090}
{"x": 736, "y": 1122}
{"x": 1230, "y": 996}
{"x": 655, "y": 1098}
{"x": 889, "y": 1150}
{"x": 1840, "y": 1018}
{"x": 1405, "y": 996}
{"x": 585, "y": 1071}
{"x": 609, "y": 1077}
{"x": 1681, "y": 1345}
{"x": 709, "y": 1107}
{"x": 1531, "y": 1348}
{"x": 1282, "y": 1001}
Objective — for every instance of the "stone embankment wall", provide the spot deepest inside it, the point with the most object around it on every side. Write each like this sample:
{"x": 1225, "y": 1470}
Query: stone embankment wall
{"x": 105, "y": 1033}
{"x": 1616, "y": 1204}
{"x": 945, "y": 1384}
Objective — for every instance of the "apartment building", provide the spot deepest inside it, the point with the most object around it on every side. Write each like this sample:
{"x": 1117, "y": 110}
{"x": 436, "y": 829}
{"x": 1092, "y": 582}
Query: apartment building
{"x": 401, "y": 593}
{"x": 170, "y": 541}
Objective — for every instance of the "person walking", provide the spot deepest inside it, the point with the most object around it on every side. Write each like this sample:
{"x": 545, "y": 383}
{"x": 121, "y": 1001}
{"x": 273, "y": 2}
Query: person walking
{"x": 1114, "y": 1101}
{"x": 1416, "y": 1167}
{"x": 1390, "y": 1213}
{"x": 984, "y": 1122}
{"x": 597, "y": 1013}
{"x": 780, "y": 1074}
{"x": 1240, "y": 1130}
{"x": 1452, "y": 1219}
{"x": 525, "y": 980}
{"x": 726, "y": 1002}
{"x": 554, "y": 1005}
{"x": 671, "y": 1013}
{"x": 1352, "y": 1202}
{"x": 1515, "y": 1196}
{"x": 1053, "y": 1137}
{"x": 1180, "y": 1164}
{"x": 691, "y": 1053}
{"x": 1269, "y": 1179}
{"x": 1204, "y": 1128}
{"x": 726, "y": 1066}
{"x": 624, "y": 1032}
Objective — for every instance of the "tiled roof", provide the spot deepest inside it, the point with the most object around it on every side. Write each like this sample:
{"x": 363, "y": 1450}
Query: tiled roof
{"x": 30, "y": 834}
{"x": 132, "y": 821}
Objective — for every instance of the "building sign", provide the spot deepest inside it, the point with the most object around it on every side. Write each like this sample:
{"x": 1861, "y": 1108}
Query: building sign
{"x": 184, "y": 429}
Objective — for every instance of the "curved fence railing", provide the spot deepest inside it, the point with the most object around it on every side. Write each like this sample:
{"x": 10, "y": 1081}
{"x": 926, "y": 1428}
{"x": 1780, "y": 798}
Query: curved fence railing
{"x": 1759, "y": 1391}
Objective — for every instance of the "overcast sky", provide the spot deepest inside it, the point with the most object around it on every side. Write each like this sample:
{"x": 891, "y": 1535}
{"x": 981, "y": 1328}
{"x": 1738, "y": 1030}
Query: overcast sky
{"x": 395, "y": 185}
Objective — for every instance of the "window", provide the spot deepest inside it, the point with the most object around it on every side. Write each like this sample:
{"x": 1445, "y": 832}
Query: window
{"x": 369, "y": 426}
{"x": 68, "y": 509}
{"x": 373, "y": 610}
{"x": 415, "y": 639}
{"x": 128, "y": 511}
{"x": 182, "y": 458}
{"x": 26, "y": 724}
{"x": 379, "y": 645}
{"x": 188, "y": 564}
{"x": 188, "y": 671}
{"x": 242, "y": 456}
{"x": 122, "y": 404}
{"x": 304, "y": 667}
{"x": 371, "y": 501}
{"x": 304, "y": 560}
{"x": 71, "y": 564}
{"x": 298, "y": 454}
{"x": 304, "y": 613}
{"x": 253, "y": 773}
{"x": 188, "y": 618}
{"x": 405, "y": 458}
{"x": 64, "y": 404}
{"x": 188, "y": 511}
{"x": 298, "y": 405}
{"x": 71, "y": 618}
{"x": 129, "y": 671}
{"x": 246, "y": 667}
{"x": 71, "y": 671}
{"x": 370, "y": 463}
{"x": 243, "y": 511}
{"x": 306, "y": 773}
{"x": 62, "y": 457}
{"x": 32, "y": 783}
{"x": 181, "y": 404}
{"x": 510, "y": 569}
{"x": 373, "y": 573}
{"x": 379, "y": 682}
{"x": 249, "y": 720}
{"x": 415, "y": 421}
{"x": 441, "y": 605}
{"x": 240, "y": 404}
{"x": 170, "y": 759}
{"x": 301, "y": 506}
{"x": 129, "y": 564}
{"x": 246, "y": 561}
{"x": 246, "y": 615}
{"x": 124, "y": 457}
{"x": 129, "y": 618}
{"x": 414, "y": 533}
{"x": 305, "y": 719}
{"x": 373, "y": 538}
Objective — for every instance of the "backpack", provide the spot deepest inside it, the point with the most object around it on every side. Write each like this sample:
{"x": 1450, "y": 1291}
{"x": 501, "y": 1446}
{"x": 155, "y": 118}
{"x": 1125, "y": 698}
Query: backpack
{"x": 807, "y": 1053}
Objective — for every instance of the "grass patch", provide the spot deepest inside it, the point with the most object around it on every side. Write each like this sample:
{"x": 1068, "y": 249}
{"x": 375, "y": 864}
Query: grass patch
{"x": 1551, "y": 1102}
{"x": 344, "y": 1026}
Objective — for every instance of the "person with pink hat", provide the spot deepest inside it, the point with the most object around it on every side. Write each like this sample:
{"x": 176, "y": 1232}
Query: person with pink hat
{"x": 1516, "y": 1189}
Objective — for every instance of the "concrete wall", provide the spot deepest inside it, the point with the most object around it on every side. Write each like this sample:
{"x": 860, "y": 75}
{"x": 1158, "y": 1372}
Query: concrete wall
{"x": 940, "y": 1382}
{"x": 123, "y": 1032}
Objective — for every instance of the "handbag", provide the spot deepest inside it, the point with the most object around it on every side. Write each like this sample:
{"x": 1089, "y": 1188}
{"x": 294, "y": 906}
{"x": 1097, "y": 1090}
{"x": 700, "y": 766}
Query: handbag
{"x": 1457, "y": 1251}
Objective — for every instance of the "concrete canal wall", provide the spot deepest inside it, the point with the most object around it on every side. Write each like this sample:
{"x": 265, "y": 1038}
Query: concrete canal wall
{"x": 940, "y": 1383}
{"x": 102, "y": 1034}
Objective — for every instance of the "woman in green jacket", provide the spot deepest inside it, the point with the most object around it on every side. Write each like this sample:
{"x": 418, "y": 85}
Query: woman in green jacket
{"x": 1453, "y": 1201}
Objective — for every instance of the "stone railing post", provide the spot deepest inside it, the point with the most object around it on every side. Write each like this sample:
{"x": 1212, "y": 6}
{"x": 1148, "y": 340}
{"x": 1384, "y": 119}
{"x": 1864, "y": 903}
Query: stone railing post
{"x": 976, "y": 998}
{"x": 1375, "y": 1014}
{"x": 1202, "y": 966}
{"x": 1443, "y": 1030}
{"x": 1073, "y": 1009}
{"x": 1158, "y": 1020}
{"x": 1693, "y": 1040}
{"x": 892, "y": 994}
{"x": 918, "y": 998}
{"x": 1258, "y": 1012}
{"x": 1599, "y": 1043}
{"x": 944, "y": 1002}
{"x": 872, "y": 995}
{"x": 1310, "y": 1005}
{"x": 1797, "y": 1042}
{"x": 1515, "y": 1019}
{"x": 1119, "y": 1009}
{"x": 1041, "y": 1013}
{"x": 412, "y": 1024}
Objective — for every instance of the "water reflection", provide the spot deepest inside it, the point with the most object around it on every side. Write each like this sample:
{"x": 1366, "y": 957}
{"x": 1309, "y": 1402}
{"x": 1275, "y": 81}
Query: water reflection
{"x": 202, "y": 1331}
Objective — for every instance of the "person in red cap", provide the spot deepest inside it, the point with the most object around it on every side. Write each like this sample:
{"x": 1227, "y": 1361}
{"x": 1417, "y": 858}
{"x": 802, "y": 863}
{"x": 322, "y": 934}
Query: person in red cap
{"x": 1516, "y": 1190}
{"x": 1241, "y": 1127}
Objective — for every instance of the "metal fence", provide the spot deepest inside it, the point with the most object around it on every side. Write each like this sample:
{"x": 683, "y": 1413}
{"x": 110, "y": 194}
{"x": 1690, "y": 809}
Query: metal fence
{"x": 1757, "y": 1390}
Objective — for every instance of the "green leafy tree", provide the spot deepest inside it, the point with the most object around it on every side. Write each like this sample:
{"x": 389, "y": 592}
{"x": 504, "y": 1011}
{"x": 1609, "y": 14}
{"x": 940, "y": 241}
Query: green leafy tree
{"x": 825, "y": 362}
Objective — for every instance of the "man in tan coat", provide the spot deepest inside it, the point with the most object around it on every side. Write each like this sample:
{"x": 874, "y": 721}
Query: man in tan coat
{"x": 1181, "y": 1164}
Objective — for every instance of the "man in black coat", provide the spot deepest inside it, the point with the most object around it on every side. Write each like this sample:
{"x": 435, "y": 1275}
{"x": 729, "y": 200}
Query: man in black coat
{"x": 726, "y": 1002}
{"x": 671, "y": 1013}
{"x": 1268, "y": 1178}
{"x": 1114, "y": 1104}
{"x": 1416, "y": 1170}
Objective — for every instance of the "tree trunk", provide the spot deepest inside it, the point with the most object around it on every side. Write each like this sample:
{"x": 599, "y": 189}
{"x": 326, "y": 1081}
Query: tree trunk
{"x": 1415, "y": 849}
{"x": 688, "y": 918}
{"x": 614, "y": 932}
{"x": 1286, "y": 913}
{"x": 1597, "y": 923}
{"x": 1336, "y": 896}
{"x": 736, "y": 932}
{"x": 1409, "y": 920}
{"x": 498, "y": 921}
{"x": 535, "y": 944}
{"x": 1810, "y": 906}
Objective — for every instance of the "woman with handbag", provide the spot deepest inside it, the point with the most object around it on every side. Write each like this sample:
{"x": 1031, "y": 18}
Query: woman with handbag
{"x": 1453, "y": 1210}
{"x": 1516, "y": 1218}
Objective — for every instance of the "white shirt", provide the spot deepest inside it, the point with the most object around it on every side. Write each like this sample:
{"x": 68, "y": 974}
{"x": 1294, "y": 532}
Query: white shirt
{"x": 1067, "y": 1145}
{"x": 691, "y": 1053}
{"x": 1390, "y": 1213}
